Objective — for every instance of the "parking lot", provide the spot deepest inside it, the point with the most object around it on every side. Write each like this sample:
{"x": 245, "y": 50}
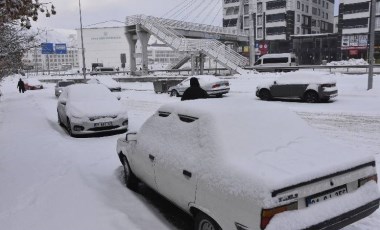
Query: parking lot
{"x": 54, "y": 181}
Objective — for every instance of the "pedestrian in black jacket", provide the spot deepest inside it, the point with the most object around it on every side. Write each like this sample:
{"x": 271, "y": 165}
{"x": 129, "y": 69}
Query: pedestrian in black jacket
{"x": 194, "y": 91}
{"x": 21, "y": 86}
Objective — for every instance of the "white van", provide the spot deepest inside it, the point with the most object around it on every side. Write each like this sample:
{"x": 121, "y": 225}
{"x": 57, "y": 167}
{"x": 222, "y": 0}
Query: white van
{"x": 277, "y": 60}
{"x": 103, "y": 70}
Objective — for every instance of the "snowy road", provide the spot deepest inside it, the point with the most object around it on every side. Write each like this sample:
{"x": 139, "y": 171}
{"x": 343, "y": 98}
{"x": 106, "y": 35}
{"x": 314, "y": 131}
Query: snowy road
{"x": 52, "y": 181}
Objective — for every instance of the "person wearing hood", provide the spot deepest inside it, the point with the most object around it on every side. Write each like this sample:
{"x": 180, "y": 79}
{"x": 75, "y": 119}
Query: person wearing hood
{"x": 21, "y": 86}
{"x": 194, "y": 91}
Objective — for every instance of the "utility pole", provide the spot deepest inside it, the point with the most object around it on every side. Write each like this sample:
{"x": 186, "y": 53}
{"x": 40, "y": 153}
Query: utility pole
{"x": 371, "y": 43}
{"x": 81, "y": 36}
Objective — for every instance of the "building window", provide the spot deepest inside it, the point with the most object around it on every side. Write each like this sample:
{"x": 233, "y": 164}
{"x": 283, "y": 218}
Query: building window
{"x": 356, "y": 8}
{"x": 298, "y": 5}
{"x": 276, "y": 30}
{"x": 298, "y": 18}
{"x": 327, "y": 5}
{"x": 276, "y": 4}
{"x": 298, "y": 30}
{"x": 260, "y": 8}
{"x": 260, "y": 20}
{"x": 355, "y": 23}
{"x": 259, "y": 32}
{"x": 275, "y": 17}
{"x": 307, "y": 9}
{"x": 327, "y": 16}
{"x": 303, "y": 7}
{"x": 377, "y": 24}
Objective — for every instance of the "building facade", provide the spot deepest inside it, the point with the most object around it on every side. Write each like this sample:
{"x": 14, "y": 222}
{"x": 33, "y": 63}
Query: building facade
{"x": 354, "y": 28}
{"x": 275, "y": 21}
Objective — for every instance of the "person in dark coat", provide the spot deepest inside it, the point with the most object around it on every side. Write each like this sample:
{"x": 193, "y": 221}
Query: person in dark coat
{"x": 194, "y": 91}
{"x": 21, "y": 86}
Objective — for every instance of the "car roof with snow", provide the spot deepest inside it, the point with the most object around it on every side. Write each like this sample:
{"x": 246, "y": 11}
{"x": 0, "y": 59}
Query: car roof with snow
{"x": 268, "y": 143}
{"x": 89, "y": 92}
{"x": 205, "y": 79}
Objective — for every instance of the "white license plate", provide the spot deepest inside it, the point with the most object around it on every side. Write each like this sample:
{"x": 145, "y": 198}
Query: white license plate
{"x": 327, "y": 195}
{"x": 103, "y": 124}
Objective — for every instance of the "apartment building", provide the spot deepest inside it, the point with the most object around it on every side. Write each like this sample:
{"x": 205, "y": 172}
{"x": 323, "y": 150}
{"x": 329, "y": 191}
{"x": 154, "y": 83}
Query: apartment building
{"x": 274, "y": 21}
{"x": 353, "y": 28}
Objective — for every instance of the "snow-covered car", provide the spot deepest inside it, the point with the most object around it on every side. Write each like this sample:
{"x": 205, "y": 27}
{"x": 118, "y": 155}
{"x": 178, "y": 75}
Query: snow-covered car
{"x": 211, "y": 84}
{"x": 260, "y": 171}
{"x": 32, "y": 84}
{"x": 60, "y": 85}
{"x": 109, "y": 82}
{"x": 308, "y": 86}
{"x": 90, "y": 108}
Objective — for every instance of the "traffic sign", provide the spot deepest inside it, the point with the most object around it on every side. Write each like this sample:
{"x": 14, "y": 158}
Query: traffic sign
{"x": 47, "y": 48}
{"x": 60, "y": 48}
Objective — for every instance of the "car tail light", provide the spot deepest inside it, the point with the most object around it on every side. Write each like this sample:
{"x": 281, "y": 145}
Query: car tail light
{"x": 216, "y": 86}
{"x": 268, "y": 214}
{"x": 366, "y": 179}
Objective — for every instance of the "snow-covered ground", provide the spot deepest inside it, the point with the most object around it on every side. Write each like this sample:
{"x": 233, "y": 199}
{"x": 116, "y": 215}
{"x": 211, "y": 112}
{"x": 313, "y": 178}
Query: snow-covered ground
{"x": 52, "y": 181}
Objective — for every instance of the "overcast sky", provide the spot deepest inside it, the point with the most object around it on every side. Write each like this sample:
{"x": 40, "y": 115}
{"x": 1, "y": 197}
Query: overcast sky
{"x": 106, "y": 10}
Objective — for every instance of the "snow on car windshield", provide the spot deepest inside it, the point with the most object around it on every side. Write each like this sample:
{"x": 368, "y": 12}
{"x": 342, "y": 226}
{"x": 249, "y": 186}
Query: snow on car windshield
{"x": 82, "y": 92}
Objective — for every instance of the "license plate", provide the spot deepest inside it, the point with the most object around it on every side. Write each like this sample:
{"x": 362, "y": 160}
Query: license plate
{"x": 339, "y": 191}
{"x": 103, "y": 124}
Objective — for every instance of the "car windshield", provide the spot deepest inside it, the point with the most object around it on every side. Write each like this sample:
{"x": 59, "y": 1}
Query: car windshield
{"x": 65, "y": 83}
{"x": 90, "y": 92}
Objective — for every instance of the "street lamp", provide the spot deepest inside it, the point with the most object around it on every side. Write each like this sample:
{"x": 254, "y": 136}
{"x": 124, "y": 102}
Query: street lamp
{"x": 47, "y": 55}
{"x": 81, "y": 36}
{"x": 371, "y": 43}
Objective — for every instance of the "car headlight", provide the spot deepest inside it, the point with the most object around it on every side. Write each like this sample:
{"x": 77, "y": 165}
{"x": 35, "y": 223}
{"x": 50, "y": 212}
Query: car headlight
{"x": 60, "y": 90}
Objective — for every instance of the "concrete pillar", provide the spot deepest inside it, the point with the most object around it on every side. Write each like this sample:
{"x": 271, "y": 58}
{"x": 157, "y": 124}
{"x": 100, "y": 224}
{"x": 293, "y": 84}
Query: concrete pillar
{"x": 144, "y": 39}
{"x": 132, "y": 52}
{"x": 201, "y": 63}
{"x": 193, "y": 57}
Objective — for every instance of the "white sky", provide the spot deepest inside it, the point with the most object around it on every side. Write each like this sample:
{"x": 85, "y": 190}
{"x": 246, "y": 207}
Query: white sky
{"x": 99, "y": 11}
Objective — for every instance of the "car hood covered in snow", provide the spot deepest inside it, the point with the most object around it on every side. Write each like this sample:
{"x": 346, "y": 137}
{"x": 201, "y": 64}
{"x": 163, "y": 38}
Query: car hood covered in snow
{"x": 95, "y": 108}
{"x": 247, "y": 148}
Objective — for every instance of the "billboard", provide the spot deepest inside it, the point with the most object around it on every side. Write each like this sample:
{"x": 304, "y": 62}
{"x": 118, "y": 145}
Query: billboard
{"x": 60, "y": 48}
{"x": 354, "y": 41}
{"x": 47, "y": 48}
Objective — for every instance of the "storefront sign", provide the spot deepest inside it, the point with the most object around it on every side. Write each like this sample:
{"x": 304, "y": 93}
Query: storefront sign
{"x": 354, "y": 41}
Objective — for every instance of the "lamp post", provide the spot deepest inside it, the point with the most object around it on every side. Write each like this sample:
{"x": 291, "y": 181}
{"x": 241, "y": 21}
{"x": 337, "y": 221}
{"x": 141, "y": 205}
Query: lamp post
{"x": 47, "y": 55}
{"x": 81, "y": 36}
{"x": 371, "y": 43}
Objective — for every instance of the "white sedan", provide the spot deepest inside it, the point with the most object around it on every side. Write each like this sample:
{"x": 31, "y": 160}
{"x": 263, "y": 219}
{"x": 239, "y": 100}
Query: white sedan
{"x": 234, "y": 165}
{"x": 90, "y": 108}
{"x": 211, "y": 84}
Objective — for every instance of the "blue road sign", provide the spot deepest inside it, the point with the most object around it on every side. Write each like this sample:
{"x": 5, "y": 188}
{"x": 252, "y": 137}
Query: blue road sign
{"x": 60, "y": 48}
{"x": 47, "y": 48}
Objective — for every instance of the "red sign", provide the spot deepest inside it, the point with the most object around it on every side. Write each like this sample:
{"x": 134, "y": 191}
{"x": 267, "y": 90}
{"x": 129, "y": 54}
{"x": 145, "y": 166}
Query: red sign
{"x": 353, "y": 52}
{"x": 263, "y": 47}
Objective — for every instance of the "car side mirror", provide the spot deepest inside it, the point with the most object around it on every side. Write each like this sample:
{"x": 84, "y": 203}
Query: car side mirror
{"x": 131, "y": 136}
{"x": 62, "y": 101}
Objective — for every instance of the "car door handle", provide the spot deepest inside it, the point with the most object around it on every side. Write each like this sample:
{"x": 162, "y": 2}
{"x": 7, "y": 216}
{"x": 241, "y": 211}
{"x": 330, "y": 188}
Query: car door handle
{"x": 186, "y": 173}
{"x": 151, "y": 157}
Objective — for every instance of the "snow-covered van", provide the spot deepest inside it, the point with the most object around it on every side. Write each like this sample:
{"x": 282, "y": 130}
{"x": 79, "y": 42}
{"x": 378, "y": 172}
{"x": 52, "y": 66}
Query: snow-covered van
{"x": 277, "y": 60}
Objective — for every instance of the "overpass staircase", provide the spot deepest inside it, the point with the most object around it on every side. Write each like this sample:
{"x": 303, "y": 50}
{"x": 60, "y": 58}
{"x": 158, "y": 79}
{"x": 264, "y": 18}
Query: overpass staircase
{"x": 213, "y": 48}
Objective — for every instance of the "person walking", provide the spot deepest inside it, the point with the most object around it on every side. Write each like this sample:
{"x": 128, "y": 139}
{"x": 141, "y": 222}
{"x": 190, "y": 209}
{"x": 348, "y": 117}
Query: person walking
{"x": 194, "y": 91}
{"x": 21, "y": 86}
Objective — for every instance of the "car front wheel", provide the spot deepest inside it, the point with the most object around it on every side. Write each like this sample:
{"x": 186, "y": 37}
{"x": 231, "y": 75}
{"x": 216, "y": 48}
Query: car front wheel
{"x": 69, "y": 129}
{"x": 204, "y": 222}
{"x": 59, "y": 120}
{"x": 265, "y": 95}
{"x": 130, "y": 179}
{"x": 311, "y": 97}
{"x": 174, "y": 93}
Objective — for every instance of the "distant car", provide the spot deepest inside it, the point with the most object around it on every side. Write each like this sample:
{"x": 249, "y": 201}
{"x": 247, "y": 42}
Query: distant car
{"x": 103, "y": 71}
{"x": 308, "y": 86}
{"x": 90, "y": 108}
{"x": 60, "y": 85}
{"x": 276, "y": 62}
{"x": 108, "y": 82}
{"x": 32, "y": 84}
{"x": 212, "y": 85}
{"x": 217, "y": 161}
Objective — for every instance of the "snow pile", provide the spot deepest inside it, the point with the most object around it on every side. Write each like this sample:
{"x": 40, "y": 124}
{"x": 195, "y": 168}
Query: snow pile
{"x": 351, "y": 61}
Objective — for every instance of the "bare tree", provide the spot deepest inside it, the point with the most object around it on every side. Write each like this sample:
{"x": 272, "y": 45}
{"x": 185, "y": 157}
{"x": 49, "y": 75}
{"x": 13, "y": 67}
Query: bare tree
{"x": 23, "y": 10}
{"x": 14, "y": 42}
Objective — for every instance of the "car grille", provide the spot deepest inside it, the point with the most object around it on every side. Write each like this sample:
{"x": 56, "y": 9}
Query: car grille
{"x": 104, "y": 128}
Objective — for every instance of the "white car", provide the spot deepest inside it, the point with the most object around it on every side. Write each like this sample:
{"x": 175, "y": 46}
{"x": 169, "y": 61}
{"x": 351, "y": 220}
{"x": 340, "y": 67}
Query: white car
{"x": 90, "y": 108}
{"x": 211, "y": 84}
{"x": 109, "y": 82}
{"x": 236, "y": 165}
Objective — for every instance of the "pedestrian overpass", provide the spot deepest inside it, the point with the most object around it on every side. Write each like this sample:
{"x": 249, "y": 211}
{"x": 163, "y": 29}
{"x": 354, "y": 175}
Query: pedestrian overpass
{"x": 193, "y": 41}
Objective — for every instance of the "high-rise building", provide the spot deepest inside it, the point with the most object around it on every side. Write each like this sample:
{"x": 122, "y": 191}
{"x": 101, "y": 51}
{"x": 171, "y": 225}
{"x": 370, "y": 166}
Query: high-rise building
{"x": 274, "y": 21}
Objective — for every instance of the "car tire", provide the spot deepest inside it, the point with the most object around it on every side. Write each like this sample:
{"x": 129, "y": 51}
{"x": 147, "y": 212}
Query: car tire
{"x": 325, "y": 100}
{"x": 174, "y": 93}
{"x": 204, "y": 222}
{"x": 130, "y": 179}
{"x": 219, "y": 96}
{"x": 69, "y": 129}
{"x": 59, "y": 120}
{"x": 311, "y": 97}
{"x": 265, "y": 95}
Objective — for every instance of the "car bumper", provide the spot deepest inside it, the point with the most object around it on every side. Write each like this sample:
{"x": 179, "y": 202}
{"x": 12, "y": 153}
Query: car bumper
{"x": 89, "y": 127}
{"x": 218, "y": 91}
{"x": 329, "y": 94}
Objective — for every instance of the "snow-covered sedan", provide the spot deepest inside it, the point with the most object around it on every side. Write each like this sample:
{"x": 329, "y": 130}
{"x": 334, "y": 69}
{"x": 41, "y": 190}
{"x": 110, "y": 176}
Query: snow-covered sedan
{"x": 260, "y": 171}
{"x": 211, "y": 84}
{"x": 308, "y": 86}
{"x": 109, "y": 82}
{"x": 90, "y": 108}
